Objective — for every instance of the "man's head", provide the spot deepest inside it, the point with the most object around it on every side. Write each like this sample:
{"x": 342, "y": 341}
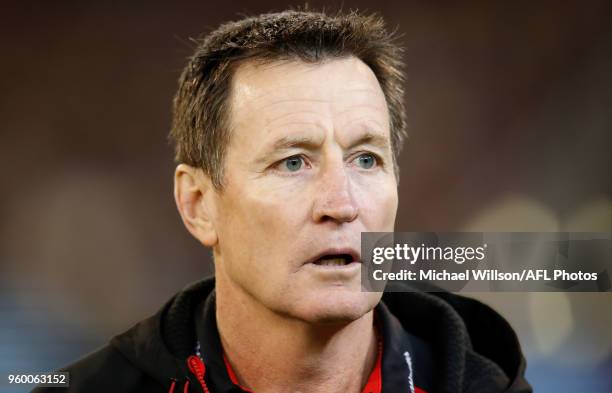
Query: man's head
{"x": 287, "y": 128}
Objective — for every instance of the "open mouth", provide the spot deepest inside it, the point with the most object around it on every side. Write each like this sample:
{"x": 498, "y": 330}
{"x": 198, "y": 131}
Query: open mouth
{"x": 334, "y": 260}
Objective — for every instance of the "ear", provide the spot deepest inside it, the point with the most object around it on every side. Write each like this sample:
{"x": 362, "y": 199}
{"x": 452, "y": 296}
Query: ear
{"x": 194, "y": 196}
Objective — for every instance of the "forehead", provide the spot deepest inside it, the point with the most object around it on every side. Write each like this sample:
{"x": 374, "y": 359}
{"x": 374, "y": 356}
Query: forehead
{"x": 328, "y": 94}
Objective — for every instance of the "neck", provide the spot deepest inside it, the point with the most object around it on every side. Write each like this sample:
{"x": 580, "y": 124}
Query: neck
{"x": 270, "y": 352}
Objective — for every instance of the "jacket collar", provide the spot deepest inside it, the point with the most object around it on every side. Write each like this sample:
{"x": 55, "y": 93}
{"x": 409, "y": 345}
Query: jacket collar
{"x": 407, "y": 359}
{"x": 467, "y": 338}
{"x": 401, "y": 352}
{"x": 211, "y": 350}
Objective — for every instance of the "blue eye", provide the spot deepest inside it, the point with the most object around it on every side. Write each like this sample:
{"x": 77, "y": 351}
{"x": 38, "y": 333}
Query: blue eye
{"x": 293, "y": 164}
{"x": 366, "y": 160}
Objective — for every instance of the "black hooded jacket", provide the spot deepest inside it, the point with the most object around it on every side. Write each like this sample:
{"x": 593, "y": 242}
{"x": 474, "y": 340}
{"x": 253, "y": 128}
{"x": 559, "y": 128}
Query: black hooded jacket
{"x": 454, "y": 344}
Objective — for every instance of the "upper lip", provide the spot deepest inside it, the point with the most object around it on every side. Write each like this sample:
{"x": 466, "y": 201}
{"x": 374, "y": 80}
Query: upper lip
{"x": 337, "y": 251}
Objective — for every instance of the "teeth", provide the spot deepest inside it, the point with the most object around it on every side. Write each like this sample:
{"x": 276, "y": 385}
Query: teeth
{"x": 332, "y": 262}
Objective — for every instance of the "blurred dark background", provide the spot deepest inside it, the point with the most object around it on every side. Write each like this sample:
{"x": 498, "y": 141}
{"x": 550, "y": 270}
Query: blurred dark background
{"x": 509, "y": 107}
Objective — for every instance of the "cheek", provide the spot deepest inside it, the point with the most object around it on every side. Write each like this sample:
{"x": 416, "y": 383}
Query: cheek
{"x": 378, "y": 202}
{"x": 275, "y": 210}
{"x": 260, "y": 225}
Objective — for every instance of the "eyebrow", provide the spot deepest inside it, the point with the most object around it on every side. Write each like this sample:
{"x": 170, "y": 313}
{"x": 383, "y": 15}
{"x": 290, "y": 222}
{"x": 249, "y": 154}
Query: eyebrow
{"x": 289, "y": 141}
{"x": 308, "y": 143}
{"x": 371, "y": 138}
{"x": 286, "y": 143}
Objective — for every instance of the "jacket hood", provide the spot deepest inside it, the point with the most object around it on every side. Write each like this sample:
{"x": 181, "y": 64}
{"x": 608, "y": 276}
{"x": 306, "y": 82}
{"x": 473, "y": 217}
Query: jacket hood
{"x": 472, "y": 342}
{"x": 474, "y": 348}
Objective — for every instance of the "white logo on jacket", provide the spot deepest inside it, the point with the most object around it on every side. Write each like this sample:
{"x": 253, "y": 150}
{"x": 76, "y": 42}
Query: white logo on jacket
{"x": 409, "y": 363}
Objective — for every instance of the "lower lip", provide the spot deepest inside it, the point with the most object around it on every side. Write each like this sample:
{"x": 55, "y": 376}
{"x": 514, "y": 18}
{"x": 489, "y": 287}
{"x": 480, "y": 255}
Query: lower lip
{"x": 347, "y": 268}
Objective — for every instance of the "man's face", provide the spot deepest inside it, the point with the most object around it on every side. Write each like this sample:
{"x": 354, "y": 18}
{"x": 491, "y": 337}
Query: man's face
{"x": 308, "y": 168}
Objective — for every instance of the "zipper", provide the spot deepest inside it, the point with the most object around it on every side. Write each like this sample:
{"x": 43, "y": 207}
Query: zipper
{"x": 197, "y": 368}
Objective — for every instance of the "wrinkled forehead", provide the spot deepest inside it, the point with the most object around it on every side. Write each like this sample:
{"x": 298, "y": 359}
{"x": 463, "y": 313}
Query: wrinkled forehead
{"x": 340, "y": 89}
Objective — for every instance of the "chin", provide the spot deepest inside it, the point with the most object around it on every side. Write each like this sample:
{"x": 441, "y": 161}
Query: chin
{"x": 338, "y": 307}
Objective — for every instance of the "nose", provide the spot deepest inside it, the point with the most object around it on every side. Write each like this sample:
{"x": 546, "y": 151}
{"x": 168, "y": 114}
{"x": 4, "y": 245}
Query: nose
{"x": 334, "y": 200}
